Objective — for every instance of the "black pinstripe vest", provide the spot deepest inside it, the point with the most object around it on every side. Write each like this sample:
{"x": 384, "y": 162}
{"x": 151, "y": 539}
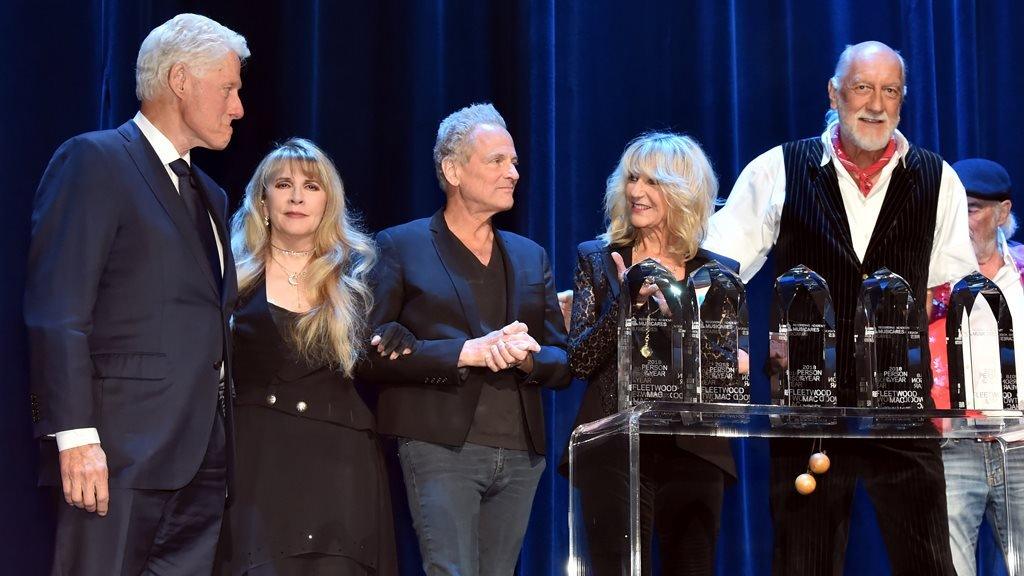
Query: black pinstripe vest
{"x": 815, "y": 232}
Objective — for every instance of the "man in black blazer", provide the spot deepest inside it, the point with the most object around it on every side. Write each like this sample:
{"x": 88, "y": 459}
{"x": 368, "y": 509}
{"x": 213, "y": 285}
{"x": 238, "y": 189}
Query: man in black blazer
{"x": 485, "y": 334}
{"x": 129, "y": 288}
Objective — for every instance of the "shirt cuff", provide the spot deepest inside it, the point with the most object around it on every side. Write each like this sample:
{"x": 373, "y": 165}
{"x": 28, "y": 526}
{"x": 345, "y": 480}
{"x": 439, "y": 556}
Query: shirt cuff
{"x": 77, "y": 437}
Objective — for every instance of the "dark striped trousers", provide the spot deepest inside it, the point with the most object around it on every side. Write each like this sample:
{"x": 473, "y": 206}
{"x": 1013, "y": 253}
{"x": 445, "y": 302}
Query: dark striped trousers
{"x": 905, "y": 481}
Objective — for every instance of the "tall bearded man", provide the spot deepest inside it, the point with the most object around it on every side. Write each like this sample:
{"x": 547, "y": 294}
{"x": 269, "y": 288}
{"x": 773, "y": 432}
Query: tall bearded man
{"x": 846, "y": 203}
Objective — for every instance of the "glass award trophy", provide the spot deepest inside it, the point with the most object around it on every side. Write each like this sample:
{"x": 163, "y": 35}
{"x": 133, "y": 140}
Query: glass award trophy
{"x": 653, "y": 365}
{"x": 979, "y": 344}
{"x": 802, "y": 349}
{"x": 720, "y": 334}
{"x": 890, "y": 344}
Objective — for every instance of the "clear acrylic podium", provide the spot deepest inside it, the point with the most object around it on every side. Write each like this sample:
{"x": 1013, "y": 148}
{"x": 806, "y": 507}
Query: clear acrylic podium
{"x": 612, "y": 447}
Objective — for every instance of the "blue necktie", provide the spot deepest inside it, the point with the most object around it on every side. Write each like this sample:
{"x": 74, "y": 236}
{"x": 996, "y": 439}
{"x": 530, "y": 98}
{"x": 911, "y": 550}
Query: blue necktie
{"x": 199, "y": 213}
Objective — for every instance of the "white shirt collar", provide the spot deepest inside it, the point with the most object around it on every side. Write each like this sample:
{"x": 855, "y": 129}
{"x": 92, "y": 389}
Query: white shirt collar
{"x": 1004, "y": 249}
{"x": 165, "y": 150}
{"x": 828, "y": 153}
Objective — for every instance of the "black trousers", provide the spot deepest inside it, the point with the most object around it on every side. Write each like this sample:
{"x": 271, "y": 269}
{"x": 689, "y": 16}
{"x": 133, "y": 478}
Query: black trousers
{"x": 158, "y": 532}
{"x": 311, "y": 565}
{"x": 905, "y": 481}
{"x": 680, "y": 495}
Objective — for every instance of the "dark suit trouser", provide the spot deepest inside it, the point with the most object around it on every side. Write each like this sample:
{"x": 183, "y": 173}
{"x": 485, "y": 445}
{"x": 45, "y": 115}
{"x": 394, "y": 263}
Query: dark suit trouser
{"x": 905, "y": 481}
{"x": 311, "y": 565}
{"x": 158, "y": 532}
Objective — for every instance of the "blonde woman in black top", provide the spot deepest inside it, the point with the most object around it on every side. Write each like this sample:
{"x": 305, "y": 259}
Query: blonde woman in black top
{"x": 311, "y": 490}
{"x": 657, "y": 204}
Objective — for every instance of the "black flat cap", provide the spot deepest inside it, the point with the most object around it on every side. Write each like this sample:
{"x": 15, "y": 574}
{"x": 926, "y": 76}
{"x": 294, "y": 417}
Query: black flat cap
{"x": 984, "y": 179}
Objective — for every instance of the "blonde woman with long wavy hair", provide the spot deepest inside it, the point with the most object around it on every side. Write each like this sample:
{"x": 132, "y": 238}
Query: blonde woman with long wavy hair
{"x": 657, "y": 204}
{"x": 311, "y": 494}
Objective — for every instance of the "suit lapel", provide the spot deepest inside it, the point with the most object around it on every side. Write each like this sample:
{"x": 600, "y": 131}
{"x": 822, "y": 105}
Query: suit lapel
{"x": 614, "y": 284}
{"x": 902, "y": 185}
{"x": 255, "y": 314}
{"x": 286, "y": 366}
{"x": 214, "y": 202}
{"x": 155, "y": 174}
{"x": 443, "y": 243}
{"x": 217, "y": 204}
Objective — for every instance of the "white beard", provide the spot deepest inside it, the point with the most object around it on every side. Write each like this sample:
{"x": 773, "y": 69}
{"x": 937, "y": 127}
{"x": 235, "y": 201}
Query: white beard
{"x": 867, "y": 143}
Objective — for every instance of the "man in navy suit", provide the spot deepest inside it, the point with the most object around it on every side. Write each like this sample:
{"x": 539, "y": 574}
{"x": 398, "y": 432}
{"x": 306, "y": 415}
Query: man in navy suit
{"x": 484, "y": 334}
{"x": 129, "y": 289}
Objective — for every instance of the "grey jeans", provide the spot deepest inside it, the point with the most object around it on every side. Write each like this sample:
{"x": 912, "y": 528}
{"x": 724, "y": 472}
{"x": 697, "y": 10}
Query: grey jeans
{"x": 470, "y": 505}
{"x": 976, "y": 487}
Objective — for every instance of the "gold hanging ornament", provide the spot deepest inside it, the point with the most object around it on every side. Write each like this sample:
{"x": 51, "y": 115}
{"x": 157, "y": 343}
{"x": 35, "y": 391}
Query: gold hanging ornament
{"x": 818, "y": 463}
{"x": 645, "y": 350}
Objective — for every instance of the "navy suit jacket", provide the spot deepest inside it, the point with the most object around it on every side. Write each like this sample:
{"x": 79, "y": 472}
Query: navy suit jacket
{"x": 423, "y": 395}
{"x": 127, "y": 324}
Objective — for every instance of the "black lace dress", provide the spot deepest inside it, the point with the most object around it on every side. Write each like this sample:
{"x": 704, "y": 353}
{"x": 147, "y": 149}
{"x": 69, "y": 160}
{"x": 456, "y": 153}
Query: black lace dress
{"x": 682, "y": 478}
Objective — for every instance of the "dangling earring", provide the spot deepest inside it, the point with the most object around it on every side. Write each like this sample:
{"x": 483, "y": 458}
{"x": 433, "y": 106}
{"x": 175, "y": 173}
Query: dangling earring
{"x": 266, "y": 217}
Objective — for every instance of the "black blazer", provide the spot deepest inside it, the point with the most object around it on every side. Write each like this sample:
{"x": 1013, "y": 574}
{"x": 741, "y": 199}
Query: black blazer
{"x": 126, "y": 322}
{"x": 423, "y": 395}
{"x": 267, "y": 374}
{"x": 593, "y": 343}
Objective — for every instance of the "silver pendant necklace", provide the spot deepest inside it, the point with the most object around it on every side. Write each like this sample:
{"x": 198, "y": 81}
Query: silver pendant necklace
{"x": 293, "y": 278}
{"x": 292, "y": 252}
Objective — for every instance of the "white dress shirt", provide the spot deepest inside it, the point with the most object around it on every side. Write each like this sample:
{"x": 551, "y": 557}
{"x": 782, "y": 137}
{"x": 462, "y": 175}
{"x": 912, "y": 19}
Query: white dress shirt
{"x": 166, "y": 151}
{"x": 747, "y": 227}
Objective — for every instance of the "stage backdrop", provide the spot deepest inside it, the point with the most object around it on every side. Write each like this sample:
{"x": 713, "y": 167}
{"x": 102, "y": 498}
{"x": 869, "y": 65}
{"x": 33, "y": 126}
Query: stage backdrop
{"x": 370, "y": 80}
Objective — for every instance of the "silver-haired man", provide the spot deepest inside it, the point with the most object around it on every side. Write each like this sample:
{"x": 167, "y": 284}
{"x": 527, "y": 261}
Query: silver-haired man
{"x": 478, "y": 312}
{"x": 856, "y": 198}
{"x": 129, "y": 289}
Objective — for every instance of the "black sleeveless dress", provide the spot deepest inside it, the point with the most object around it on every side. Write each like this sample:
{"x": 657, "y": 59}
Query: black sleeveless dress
{"x": 311, "y": 490}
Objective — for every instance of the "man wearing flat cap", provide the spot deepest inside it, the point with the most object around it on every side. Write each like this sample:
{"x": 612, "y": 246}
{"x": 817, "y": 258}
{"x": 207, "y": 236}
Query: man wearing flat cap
{"x": 975, "y": 470}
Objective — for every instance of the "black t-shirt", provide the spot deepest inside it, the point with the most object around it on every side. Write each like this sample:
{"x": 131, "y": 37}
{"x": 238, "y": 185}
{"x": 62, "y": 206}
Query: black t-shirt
{"x": 498, "y": 420}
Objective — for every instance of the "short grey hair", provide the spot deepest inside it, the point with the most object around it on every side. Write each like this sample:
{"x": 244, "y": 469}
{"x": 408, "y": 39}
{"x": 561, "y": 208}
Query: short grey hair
{"x": 843, "y": 64}
{"x": 197, "y": 41}
{"x": 454, "y": 132}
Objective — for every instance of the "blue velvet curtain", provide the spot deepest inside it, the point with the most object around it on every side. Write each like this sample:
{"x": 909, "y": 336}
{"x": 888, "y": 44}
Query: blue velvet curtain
{"x": 370, "y": 80}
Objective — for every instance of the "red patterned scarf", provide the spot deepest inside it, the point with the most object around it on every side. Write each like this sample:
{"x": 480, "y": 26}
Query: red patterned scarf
{"x": 865, "y": 177}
